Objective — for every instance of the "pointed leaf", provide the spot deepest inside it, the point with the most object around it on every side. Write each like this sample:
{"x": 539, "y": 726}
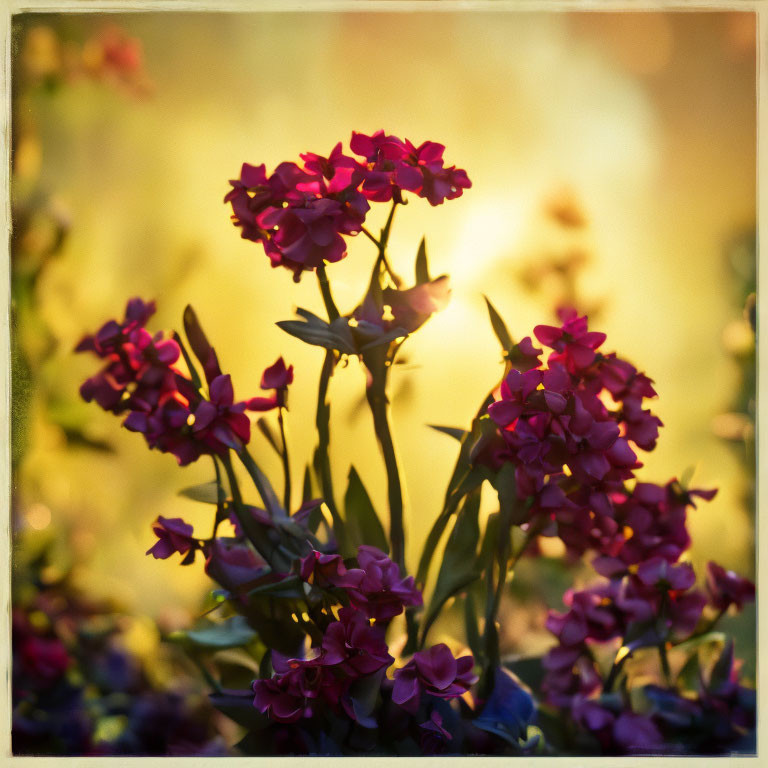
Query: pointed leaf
{"x": 422, "y": 268}
{"x": 194, "y": 375}
{"x": 306, "y": 488}
{"x": 319, "y": 335}
{"x": 499, "y": 327}
{"x": 362, "y": 523}
{"x": 197, "y": 338}
{"x": 207, "y": 493}
{"x": 471, "y": 626}
{"x": 454, "y": 432}
{"x": 230, "y": 633}
{"x": 459, "y": 564}
{"x": 266, "y": 430}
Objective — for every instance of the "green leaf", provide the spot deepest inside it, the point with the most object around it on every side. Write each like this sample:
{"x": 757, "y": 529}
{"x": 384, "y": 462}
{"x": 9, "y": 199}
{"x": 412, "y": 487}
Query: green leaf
{"x": 291, "y": 587}
{"x": 266, "y": 430}
{"x": 433, "y": 539}
{"x": 708, "y": 638}
{"x": 194, "y": 375}
{"x": 306, "y": 488}
{"x": 230, "y": 633}
{"x": 689, "y": 677}
{"x": 499, "y": 327}
{"x": 316, "y": 331}
{"x": 422, "y": 269}
{"x": 197, "y": 338}
{"x": 471, "y": 626}
{"x": 362, "y": 523}
{"x": 458, "y": 568}
{"x": 454, "y": 432}
{"x": 207, "y": 493}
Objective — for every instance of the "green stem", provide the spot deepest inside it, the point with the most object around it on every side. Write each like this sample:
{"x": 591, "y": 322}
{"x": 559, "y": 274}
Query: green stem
{"x": 322, "y": 422}
{"x": 325, "y": 290}
{"x": 286, "y": 463}
{"x": 255, "y": 533}
{"x": 665, "y": 663}
{"x": 209, "y": 678}
{"x": 382, "y": 245}
{"x": 377, "y": 399}
{"x": 263, "y": 486}
{"x": 615, "y": 669}
{"x": 220, "y": 496}
{"x": 504, "y": 565}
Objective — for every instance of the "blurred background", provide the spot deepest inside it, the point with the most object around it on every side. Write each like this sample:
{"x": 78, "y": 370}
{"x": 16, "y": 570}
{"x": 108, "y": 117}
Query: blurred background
{"x": 613, "y": 166}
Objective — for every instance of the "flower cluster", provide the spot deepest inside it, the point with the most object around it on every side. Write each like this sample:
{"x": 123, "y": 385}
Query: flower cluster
{"x": 301, "y": 213}
{"x": 571, "y": 429}
{"x": 353, "y": 646}
{"x": 140, "y": 379}
{"x": 653, "y": 605}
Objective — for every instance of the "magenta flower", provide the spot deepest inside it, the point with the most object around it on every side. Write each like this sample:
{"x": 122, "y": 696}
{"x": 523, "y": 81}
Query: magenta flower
{"x": 570, "y": 672}
{"x": 276, "y": 377}
{"x": 220, "y": 423}
{"x": 293, "y": 692}
{"x": 300, "y": 214}
{"x": 141, "y": 381}
{"x": 173, "y": 535}
{"x": 381, "y": 593}
{"x": 234, "y": 565}
{"x": 435, "y": 671}
{"x": 393, "y": 165}
{"x": 44, "y": 659}
{"x": 328, "y": 571}
{"x": 355, "y": 646}
{"x": 727, "y": 588}
{"x": 574, "y": 345}
{"x": 299, "y": 688}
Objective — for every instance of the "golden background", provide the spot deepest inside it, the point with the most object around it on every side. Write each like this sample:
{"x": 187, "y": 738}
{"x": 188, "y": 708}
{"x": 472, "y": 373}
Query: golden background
{"x": 643, "y": 122}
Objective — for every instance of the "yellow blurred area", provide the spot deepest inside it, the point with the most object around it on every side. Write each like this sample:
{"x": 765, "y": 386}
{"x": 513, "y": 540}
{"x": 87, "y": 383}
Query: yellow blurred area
{"x": 649, "y": 119}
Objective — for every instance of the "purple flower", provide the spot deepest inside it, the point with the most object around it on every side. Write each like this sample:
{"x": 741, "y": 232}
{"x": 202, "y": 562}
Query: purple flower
{"x": 727, "y": 588}
{"x": 173, "y": 535}
{"x": 328, "y": 571}
{"x": 433, "y": 737}
{"x": 355, "y": 646}
{"x": 436, "y": 672}
{"x": 298, "y": 689}
{"x": 381, "y": 593}
{"x": 234, "y": 565}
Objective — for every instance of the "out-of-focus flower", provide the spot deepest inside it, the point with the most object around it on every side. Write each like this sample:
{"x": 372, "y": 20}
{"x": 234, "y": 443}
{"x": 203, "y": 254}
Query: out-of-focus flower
{"x": 111, "y": 54}
{"x": 727, "y": 588}
{"x": 435, "y": 671}
{"x": 433, "y": 736}
{"x": 173, "y": 535}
